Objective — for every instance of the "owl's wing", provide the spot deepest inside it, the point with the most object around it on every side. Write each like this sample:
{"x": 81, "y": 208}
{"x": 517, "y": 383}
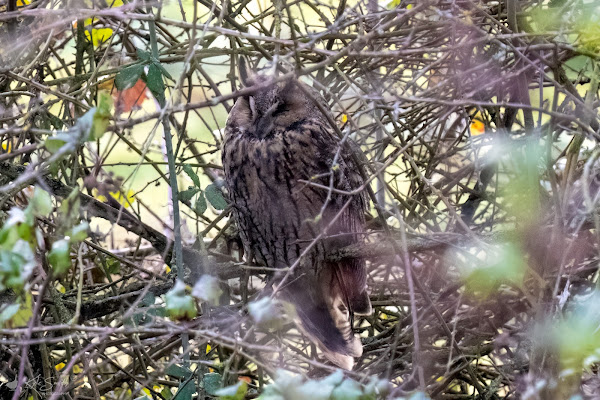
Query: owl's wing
{"x": 327, "y": 316}
{"x": 351, "y": 274}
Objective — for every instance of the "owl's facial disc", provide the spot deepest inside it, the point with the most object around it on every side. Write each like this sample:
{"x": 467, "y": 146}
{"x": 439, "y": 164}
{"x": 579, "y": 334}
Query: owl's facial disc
{"x": 263, "y": 117}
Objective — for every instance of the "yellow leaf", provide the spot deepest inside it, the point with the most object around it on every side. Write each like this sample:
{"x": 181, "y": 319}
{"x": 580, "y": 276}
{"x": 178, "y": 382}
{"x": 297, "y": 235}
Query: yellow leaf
{"x": 25, "y": 312}
{"x": 477, "y": 127}
{"x": 344, "y": 118}
{"x": 125, "y": 201}
{"x": 7, "y": 146}
{"x": 22, "y": 3}
{"x": 408, "y": 7}
{"x": 106, "y": 85}
{"x": 99, "y": 196}
{"x": 98, "y": 35}
{"x": 60, "y": 366}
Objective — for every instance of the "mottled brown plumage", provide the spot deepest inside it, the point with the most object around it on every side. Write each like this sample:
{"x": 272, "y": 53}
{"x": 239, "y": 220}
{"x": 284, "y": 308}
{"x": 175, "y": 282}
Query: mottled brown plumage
{"x": 274, "y": 140}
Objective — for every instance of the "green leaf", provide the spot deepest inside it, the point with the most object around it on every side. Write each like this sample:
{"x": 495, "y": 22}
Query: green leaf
{"x": 163, "y": 70}
{"x": 59, "y": 257}
{"x": 377, "y": 388}
{"x": 186, "y": 195}
{"x": 207, "y": 289}
{"x": 83, "y": 127}
{"x": 70, "y": 208}
{"x": 7, "y": 312}
{"x": 267, "y": 313}
{"x": 113, "y": 266}
{"x": 419, "y": 396}
{"x": 200, "y": 205}
{"x": 215, "y": 197}
{"x": 234, "y": 392}
{"x": 178, "y": 371}
{"x": 503, "y": 264}
{"x": 166, "y": 393}
{"x": 190, "y": 172}
{"x": 54, "y": 143}
{"x": 16, "y": 263}
{"x": 101, "y": 117}
{"x": 212, "y": 383}
{"x": 79, "y": 232}
{"x": 128, "y": 76}
{"x": 316, "y": 390}
{"x": 22, "y": 317}
{"x": 143, "y": 55}
{"x": 55, "y": 121}
{"x": 185, "y": 390}
{"x": 334, "y": 379}
{"x": 179, "y": 304}
{"x": 154, "y": 81}
{"x": 41, "y": 203}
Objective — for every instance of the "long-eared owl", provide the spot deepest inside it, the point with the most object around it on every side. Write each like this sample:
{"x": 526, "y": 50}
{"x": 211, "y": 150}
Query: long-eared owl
{"x": 289, "y": 179}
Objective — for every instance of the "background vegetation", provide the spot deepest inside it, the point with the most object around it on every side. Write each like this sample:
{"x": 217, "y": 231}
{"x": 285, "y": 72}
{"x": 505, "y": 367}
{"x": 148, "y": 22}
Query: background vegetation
{"x": 479, "y": 122}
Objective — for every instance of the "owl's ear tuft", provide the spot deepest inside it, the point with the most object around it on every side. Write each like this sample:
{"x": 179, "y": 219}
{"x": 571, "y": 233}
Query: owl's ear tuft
{"x": 245, "y": 73}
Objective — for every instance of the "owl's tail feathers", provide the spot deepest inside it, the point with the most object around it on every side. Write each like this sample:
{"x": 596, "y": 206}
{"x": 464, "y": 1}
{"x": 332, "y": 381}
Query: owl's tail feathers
{"x": 326, "y": 322}
{"x": 361, "y": 304}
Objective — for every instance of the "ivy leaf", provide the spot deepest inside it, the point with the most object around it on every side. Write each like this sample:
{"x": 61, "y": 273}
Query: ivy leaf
{"x": 179, "y": 304}
{"x": 193, "y": 176}
{"x": 59, "y": 257}
{"x": 185, "y": 390}
{"x": 177, "y": 371}
{"x": 187, "y": 195}
{"x": 212, "y": 383}
{"x": 128, "y": 77}
{"x": 215, "y": 197}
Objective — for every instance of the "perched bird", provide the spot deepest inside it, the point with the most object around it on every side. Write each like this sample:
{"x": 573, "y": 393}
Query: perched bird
{"x": 289, "y": 178}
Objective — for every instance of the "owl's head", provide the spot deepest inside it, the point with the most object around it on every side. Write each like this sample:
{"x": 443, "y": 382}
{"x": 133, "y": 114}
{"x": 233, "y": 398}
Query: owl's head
{"x": 272, "y": 106}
